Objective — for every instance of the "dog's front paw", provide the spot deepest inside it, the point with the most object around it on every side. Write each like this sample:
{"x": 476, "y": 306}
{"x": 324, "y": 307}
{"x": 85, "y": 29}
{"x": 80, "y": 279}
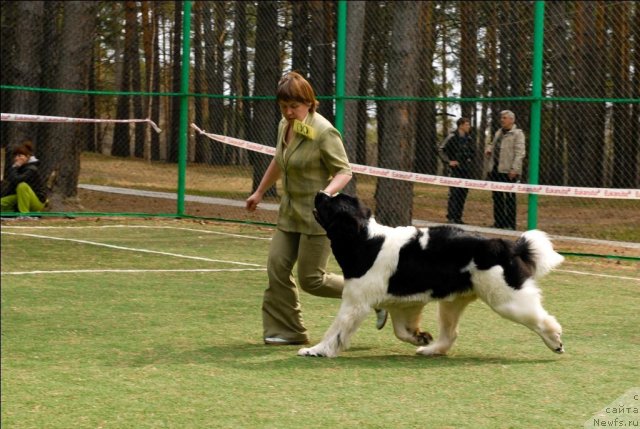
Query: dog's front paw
{"x": 423, "y": 338}
{"x": 310, "y": 351}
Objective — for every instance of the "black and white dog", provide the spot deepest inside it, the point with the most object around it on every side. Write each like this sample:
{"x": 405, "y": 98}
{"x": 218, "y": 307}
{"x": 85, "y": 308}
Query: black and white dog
{"x": 401, "y": 269}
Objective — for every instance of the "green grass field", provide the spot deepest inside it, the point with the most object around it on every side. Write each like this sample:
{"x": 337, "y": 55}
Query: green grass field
{"x": 157, "y": 324}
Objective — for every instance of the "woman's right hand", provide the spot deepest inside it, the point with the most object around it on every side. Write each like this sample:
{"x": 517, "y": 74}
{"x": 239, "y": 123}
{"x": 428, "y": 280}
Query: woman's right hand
{"x": 253, "y": 201}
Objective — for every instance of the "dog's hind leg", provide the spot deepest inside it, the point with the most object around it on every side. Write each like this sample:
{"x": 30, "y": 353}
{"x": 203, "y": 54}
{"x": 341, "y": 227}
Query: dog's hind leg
{"x": 337, "y": 337}
{"x": 406, "y": 325}
{"x": 525, "y": 307}
{"x": 522, "y": 306}
{"x": 449, "y": 312}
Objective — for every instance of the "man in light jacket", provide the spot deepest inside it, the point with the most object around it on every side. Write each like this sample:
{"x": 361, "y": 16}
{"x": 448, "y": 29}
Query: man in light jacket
{"x": 504, "y": 155}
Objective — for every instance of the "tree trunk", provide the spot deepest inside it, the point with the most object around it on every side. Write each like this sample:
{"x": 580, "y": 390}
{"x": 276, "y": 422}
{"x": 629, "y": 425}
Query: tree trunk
{"x": 505, "y": 40}
{"x": 8, "y": 11}
{"x": 121, "y": 144}
{"x": 322, "y": 30}
{"x": 624, "y": 152}
{"x": 25, "y": 71}
{"x": 443, "y": 73}
{"x": 263, "y": 129}
{"x": 635, "y": 115}
{"x": 355, "y": 23}
{"x": 155, "y": 77}
{"x": 245, "y": 107}
{"x": 217, "y": 104}
{"x": 520, "y": 64}
{"x": 78, "y": 33}
{"x": 379, "y": 57}
{"x": 198, "y": 75}
{"x": 50, "y": 54}
{"x": 394, "y": 198}
{"x": 368, "y": 59}
{"x": 552, "y": 168}
{"x": 235, "y": 125}
{"x": 468, "y": 56}
{"x": 586, "y": 145}
{"x": 426, "y": 161}
{"x": 300, "y": 37}
{"x": 492, "y": 68}
{"x": 204, "y": 147}
{"x": 173, "y": 138}
{"x": 136, "y": 78}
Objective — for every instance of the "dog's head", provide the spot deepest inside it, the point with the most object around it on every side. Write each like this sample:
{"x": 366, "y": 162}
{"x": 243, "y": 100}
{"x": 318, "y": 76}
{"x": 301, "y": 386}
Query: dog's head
{"x": 342, "y": 216}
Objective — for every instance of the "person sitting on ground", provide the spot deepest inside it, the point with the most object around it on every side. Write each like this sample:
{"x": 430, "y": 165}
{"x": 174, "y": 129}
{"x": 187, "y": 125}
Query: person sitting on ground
{"x": 24, "y": 188}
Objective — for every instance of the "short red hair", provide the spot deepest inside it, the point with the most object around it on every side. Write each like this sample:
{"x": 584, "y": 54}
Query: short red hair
{"x": 294, "y": 87}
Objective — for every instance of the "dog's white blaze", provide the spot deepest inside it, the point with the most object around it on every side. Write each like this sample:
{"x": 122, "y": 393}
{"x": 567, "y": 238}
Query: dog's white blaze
{"x": 372, "y": 286}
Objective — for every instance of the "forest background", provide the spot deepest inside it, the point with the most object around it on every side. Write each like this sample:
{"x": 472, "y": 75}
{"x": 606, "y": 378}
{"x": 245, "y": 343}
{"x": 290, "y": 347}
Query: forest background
{"x": 411, "y": 69}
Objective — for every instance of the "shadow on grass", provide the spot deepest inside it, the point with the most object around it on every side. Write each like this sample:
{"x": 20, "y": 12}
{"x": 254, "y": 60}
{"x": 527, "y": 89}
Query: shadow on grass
{"x": 260, "y": 357}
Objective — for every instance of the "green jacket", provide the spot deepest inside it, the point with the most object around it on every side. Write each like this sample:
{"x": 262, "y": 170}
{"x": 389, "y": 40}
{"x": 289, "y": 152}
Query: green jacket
{"x": 308, "y": 165}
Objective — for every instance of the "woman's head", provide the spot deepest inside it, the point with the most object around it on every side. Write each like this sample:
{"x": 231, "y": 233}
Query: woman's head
{"x": 25, "y": 148}
{"x": 294, "y": 88}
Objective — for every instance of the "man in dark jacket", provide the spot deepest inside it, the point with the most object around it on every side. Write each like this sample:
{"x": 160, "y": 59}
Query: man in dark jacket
{"x": 457, "y": 152}
{"x": 23, "y": 188}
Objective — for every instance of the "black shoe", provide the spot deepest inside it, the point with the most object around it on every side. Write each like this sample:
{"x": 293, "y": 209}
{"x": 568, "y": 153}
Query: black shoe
{"x": 456, "y": 222}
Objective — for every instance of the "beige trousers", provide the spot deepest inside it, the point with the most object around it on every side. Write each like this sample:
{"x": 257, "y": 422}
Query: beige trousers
{"x": 281, "y": 310}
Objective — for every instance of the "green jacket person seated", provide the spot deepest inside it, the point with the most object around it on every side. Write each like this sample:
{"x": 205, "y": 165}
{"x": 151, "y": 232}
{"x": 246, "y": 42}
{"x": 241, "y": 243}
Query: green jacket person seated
{"x": 23, "y": 189}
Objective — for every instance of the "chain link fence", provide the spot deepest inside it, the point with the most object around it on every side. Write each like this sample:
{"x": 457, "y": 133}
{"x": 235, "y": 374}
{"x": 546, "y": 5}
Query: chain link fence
{"x": 408, "y": 72}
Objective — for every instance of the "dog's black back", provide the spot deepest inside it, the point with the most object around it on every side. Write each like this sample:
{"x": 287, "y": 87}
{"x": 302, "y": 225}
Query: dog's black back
{"x": 438, "y": 268}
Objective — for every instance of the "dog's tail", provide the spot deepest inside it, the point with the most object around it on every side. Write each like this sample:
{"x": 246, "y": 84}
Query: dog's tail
{"x": 536, "y": 250}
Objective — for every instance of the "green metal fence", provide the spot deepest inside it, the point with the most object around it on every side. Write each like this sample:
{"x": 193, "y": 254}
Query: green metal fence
{"x": 570, "y": 71}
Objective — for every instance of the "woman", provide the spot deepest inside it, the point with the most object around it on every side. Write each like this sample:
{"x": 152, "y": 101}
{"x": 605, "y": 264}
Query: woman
{"x": 23, "y": 189}
{"x": 309, "y": 157}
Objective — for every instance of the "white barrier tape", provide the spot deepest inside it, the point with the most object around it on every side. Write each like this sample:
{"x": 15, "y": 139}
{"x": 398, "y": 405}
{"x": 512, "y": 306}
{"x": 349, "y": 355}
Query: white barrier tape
{"x": 521, "y": 188}
{"x": 16, "y": 117}
{"x": 267, "y": 150}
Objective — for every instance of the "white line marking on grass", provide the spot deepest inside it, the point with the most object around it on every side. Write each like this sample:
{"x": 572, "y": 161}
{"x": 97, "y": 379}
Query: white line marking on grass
{"x": 222, "y": 233}
{"x": 197, "y": 270}
{"x": 111, "y": 246}
{"x": 599, "y": 275}
{"x": 137, "y": 226}
{"x": 195, "y": 257}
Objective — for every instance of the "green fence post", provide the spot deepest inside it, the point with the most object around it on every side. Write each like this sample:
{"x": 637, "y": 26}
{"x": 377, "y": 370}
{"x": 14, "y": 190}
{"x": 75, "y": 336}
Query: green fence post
{"x": 536, "y": 111}
{"x": 184, "y": 106}
{"x": 341, "y": 50}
